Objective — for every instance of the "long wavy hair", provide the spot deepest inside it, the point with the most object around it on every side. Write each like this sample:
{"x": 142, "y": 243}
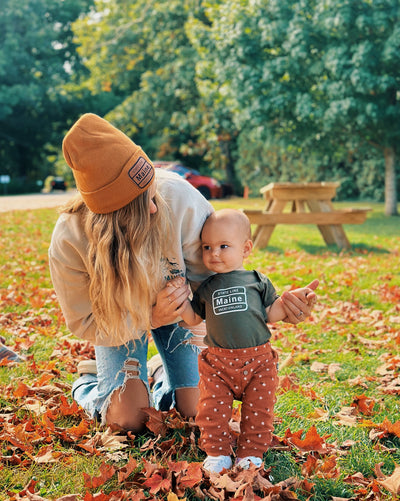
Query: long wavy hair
{"x": 125, "y": 264}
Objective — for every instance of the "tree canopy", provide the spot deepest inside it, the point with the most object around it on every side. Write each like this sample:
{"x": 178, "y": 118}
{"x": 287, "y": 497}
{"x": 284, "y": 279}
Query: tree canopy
{"x": 254, "y": 91}
{"x": 37, "y": 58}
{"x": 322, "y": 76}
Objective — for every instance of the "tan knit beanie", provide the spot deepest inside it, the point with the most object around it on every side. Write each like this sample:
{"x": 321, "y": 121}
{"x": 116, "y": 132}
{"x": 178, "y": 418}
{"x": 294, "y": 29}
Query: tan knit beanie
{"x": 109, "y": 169}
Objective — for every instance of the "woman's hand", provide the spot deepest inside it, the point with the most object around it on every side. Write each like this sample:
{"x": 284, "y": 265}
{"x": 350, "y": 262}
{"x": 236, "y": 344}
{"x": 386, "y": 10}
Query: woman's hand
{"x": 170, "y": 302}
{"x": 298, "y": 303}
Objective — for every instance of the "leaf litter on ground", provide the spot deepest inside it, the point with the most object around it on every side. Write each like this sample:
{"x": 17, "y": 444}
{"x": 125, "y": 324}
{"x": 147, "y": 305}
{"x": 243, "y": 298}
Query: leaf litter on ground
{"x": 339, "y": 394}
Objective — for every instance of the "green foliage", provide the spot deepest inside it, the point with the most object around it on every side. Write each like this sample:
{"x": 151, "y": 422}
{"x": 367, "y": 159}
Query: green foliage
{"x": 251, "y": 92}
{"x": 141, "y": 52}
{"x": 320, "y": 76}
{"x": 36, "y": 58}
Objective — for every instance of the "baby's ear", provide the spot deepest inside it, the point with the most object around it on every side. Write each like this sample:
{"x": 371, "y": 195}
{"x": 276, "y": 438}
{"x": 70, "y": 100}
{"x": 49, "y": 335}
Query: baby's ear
{"x": 247, "y": 248}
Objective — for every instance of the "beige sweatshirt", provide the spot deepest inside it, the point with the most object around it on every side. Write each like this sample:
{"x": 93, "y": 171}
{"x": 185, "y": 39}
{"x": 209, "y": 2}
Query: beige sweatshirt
{"x": 68, "y": 256}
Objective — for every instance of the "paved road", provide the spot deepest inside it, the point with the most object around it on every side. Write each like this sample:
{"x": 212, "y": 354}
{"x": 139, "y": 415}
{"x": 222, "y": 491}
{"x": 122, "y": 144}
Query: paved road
{"x": 35, "y": 201}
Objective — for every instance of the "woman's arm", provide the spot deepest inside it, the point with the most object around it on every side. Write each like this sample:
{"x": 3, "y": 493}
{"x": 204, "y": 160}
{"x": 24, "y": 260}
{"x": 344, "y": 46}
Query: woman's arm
{"x": 170, "y": 302}
{"x": 298, "y": 303}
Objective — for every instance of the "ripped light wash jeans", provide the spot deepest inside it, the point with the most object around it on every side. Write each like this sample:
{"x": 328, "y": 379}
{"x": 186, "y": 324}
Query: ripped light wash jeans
{"x": 179, "y": 356}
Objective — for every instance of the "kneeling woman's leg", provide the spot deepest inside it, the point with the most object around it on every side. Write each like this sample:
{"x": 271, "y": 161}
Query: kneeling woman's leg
{"x": 179, "y": 349}
{"x": 119, "y": 391}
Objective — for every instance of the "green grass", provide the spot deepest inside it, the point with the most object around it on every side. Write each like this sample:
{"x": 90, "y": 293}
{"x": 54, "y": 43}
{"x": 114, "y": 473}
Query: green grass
{"x": 355, "y": 325}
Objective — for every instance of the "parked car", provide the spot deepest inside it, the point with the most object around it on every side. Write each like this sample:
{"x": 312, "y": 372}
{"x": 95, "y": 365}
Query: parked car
{"x": 208, "y": 186}
{"x": 52, "y": 183}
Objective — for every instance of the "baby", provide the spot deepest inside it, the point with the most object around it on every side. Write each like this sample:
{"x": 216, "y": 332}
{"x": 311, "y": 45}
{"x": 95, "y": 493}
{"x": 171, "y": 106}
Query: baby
{"x": 238, "y": 362}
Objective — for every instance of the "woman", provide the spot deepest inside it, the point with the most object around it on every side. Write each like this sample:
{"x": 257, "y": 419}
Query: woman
{"x": 114, "y": 253}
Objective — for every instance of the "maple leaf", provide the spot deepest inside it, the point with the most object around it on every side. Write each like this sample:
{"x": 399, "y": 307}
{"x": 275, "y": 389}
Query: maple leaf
{"x": 191, "y": 477}
{"x": 109, "y": 440}
{"x": 391, "y": 387}
{"x": 392, "y": 483}
{"x": 364, "y": 404}
{"x": 156, "y": 421}
{"x": 385, "y": 428}
{"x": 106, "y": 472}
{"x": 311, "y": 442}
{"x": 22, "y": 390}
{"x": 125, "y": 471}
{"x": 287, "y": 383}
{"x": 224, "y": 482}
{"x": 149, "y": 468}
{"x": 48, "y": 455}
{"x": 174, "y": 420}
{"x": 356, "y": 479}
{"x": 319, "y": 415}
{"x": 157, "y": 483}
{"x": 44, "y": 379}
{"x": 328, "y": 467}
{"x": 347, "y": 416}
{"x": 307, "y": 486}
{"x": 76, "y": 432}
{"x": 177, "y": 466}
{"x": 67, "y": 409}
{"x": 168, "y": 445}
{"x": 309, "y": 467}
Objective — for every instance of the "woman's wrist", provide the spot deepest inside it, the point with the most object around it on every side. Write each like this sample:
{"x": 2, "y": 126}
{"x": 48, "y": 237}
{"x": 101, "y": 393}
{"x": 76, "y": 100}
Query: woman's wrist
{"x": 154, "y": 321}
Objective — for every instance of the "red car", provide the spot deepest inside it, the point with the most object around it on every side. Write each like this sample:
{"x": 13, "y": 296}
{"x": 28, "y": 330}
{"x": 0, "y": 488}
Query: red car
{"x": 208, "y": 186}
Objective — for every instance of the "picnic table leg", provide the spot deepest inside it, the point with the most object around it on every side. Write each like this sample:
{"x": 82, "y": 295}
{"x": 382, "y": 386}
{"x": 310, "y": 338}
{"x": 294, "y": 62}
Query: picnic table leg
{"x": 331, "y": 233}
{"x": 263, "y": 232}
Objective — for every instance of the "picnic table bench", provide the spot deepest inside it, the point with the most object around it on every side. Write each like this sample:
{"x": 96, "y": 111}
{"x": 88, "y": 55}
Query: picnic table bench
{"x": 310, "y": 203}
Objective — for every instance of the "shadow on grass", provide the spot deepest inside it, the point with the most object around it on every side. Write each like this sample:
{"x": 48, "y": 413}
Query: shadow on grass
{"x": 320, "y": 250}
{"x": 360, "y": 248}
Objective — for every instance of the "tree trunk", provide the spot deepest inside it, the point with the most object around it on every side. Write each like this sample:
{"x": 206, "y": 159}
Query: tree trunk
{"x": 225, "y": 144}
{"x": 390, "y": 182}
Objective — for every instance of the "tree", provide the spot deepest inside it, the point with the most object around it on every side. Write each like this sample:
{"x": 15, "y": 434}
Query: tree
{"x": 37, "y": 56}
{"x": 143, "y": 53}
{"x": 140, "y": 51}
{"x": 320, "y": 75}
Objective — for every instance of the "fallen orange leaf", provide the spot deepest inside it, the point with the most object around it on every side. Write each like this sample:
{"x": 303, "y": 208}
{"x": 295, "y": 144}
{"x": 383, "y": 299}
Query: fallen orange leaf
{"x": 392, "y": 483}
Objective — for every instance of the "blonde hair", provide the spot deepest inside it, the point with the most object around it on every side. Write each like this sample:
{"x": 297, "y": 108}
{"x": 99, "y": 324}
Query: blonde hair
{"x": 125, "y": 267}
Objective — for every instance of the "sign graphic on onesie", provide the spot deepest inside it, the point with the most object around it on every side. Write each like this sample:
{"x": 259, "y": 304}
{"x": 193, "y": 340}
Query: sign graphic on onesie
{"x": 229, "y": 300}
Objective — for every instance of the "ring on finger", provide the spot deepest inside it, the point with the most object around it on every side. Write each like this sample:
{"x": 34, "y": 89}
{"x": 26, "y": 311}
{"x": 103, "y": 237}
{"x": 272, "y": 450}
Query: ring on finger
{"x": 300, "y": 314}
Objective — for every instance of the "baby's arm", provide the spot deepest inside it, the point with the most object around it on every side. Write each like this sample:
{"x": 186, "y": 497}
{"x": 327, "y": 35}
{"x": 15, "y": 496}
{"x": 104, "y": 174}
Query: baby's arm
{"x": 275, "y": 312}
{"x": 189, "y": 316}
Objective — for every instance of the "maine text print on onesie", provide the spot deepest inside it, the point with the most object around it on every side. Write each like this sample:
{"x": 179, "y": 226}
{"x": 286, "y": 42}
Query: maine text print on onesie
{"x": 228, "y": 300}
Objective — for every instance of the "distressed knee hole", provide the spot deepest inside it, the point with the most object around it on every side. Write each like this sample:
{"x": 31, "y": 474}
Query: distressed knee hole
{"x": 131, "y": 368}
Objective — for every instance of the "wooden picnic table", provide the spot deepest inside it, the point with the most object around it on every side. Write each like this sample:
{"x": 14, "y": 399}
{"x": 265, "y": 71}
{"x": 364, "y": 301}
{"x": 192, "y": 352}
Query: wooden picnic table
{"x": 310, "y": 203}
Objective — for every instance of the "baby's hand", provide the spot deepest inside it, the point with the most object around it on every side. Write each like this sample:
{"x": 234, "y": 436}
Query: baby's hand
{"x": 310, "y": 297}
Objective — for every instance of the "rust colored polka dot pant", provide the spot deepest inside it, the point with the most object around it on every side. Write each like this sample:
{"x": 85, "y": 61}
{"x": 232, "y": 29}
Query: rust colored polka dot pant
{"x": 245, "y": 374}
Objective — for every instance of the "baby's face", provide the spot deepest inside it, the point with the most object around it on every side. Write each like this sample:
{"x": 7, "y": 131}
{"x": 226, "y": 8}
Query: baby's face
{"x": 223, "y": 247}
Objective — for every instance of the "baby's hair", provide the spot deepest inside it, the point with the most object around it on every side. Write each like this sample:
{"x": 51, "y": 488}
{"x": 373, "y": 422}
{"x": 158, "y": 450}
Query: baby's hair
{"x": 230, "y": 216}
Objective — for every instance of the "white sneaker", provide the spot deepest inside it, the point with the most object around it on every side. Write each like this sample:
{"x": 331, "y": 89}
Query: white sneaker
{"x": 87, "y": 367}
{"x": 153, "y": 365}
{"x": 155, "y": 369}
{"x": 245, "y": 463}
{"x": 215, "y": 464}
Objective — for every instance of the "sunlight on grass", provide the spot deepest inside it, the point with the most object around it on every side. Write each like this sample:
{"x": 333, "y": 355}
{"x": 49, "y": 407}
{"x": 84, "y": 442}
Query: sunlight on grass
{"x": 341, "y": 375}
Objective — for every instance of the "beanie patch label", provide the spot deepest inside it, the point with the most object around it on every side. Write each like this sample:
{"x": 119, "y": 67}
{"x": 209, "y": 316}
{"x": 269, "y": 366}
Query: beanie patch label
{"x": 141, "y": 173}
